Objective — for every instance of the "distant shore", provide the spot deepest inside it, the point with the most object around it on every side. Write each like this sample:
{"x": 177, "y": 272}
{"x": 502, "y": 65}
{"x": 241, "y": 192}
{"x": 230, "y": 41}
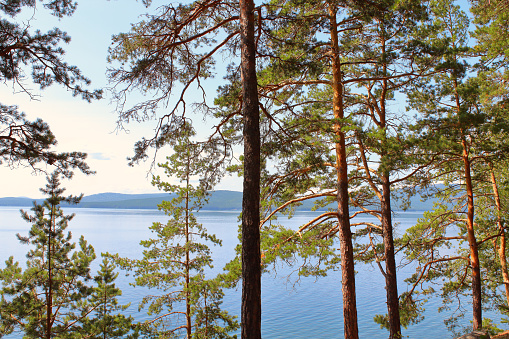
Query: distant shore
{"x": 221, "y": 200}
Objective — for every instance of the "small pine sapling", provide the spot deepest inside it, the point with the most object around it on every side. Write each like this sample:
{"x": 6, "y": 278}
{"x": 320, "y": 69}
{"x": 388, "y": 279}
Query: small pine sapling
{"x": 107, "y": 320}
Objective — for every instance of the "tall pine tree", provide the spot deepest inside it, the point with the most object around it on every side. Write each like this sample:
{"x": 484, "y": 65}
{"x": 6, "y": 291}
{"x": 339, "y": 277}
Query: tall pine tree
{"x": 459, "y": 134}
{"x": 176, "y": 259}
{"x": 193, "y": 35}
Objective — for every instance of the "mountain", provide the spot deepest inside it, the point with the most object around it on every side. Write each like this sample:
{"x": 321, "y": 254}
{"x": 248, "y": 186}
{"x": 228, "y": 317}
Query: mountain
{"x": 106, "y": 197}
{"x": 18, "y": 202}
{"x": 218, "y": 201}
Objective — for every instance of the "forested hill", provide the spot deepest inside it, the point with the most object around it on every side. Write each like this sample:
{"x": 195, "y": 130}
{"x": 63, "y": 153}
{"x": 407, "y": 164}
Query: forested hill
{"x": 219, "y": 201}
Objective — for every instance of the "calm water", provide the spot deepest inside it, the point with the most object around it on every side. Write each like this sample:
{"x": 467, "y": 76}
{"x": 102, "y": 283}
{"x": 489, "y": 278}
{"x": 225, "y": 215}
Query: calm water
{"x": 308, "y": 309}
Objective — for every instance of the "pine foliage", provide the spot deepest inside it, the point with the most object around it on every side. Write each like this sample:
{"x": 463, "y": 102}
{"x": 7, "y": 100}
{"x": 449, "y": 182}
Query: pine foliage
{"x": 106, "y": 320}
{"x": 44, "y": 300}
{"x": 175, "y": 261}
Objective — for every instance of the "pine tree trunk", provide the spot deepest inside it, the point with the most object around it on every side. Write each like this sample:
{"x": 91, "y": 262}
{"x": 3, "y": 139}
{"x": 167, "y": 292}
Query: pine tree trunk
{"x": 391, "y": 282}
{"x": 502, "y": 247}
{"x": 251, "y": 261}
{"x": 345, "y": 235}
{"x": 104, "y": 311}
{"x": 472, "y": 242}
{"x": 187, "y": 272}
{"x": 206, "y": 316}
{"x": 49, "y": 296}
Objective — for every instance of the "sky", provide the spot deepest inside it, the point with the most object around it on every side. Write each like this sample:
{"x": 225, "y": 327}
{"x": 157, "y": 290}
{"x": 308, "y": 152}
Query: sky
{"x": 88, "y": 127}
{"x": 91, "y": 127}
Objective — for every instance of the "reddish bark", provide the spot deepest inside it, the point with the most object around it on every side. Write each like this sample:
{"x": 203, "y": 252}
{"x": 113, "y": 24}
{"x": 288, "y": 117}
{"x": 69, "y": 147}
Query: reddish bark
{"x": 472, "y": 243}
{"x": 345, "y": 235}
{"x": 502, "y": 246}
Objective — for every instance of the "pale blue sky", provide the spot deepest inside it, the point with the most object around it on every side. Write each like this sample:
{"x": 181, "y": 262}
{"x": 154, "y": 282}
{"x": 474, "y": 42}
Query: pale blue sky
{"x": 80, "y": 126}
{"x": 90, "y": 128}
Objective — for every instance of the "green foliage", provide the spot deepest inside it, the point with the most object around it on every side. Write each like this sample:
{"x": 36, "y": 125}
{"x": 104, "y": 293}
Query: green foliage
{"x": 460, "y": 137}
{"x": 410, "y": 312}
{"x": 107, "y": 320}
{"x": 27, "y": 143}
{"x": 20, "y": 47}
{"x": 45, "y": 299}
{"x": 489, "y": 325}
{"x": 175, "y": 45}
{"x": 312, "y": 251}
{"x": 491, "y": 19}
{"x": 175, "y": 260}
{"x": 301, "y": 140}
{"x": 24, "y": 142}
{"x": 210, "y": 320}
{"x": 385, "y": 48}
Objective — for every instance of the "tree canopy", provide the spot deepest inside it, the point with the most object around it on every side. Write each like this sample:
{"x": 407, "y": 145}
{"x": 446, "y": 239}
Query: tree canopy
{"x": 356, "y": 106}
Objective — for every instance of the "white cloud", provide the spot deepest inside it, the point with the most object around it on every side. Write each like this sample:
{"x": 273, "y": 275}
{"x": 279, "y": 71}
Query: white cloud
{"x": 99, "y": 156}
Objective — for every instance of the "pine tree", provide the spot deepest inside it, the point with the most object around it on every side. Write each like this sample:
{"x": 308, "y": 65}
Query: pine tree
{"x": 491, "y": 208}
{"x": 459, "y": 133}
{"x": 194, "y": 34}
{"x": 491, "y": 19}
{"x": 176, "y": 259}
{"x": 28, "y": 143}
{"x": 390, "y": 53}
{"x": 251, "y": 309}
{"x": 299, "y": 62}
{"x": 106, "y": 320}
{"x": 311, "y": 115}
{"x": 43, "y": 300}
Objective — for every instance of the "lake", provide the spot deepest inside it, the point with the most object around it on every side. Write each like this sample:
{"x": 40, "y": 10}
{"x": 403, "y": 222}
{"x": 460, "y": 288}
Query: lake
{"x": 310, "y": 308}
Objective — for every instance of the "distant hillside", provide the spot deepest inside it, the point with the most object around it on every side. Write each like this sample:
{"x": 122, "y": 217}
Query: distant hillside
{"x": 106, "y": 197}
{"x": 219, "y": 201}
{"x": 18, "y": 202}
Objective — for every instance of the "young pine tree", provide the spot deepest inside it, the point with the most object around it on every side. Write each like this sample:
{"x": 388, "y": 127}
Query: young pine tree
{"x": 174, "y": 261}
{"x": 43, "y": 300}
{"x": 107, "y": 320}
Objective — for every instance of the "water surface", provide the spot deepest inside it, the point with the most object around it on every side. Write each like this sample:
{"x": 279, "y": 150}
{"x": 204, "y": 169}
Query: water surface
{"x": 309, "y": 308}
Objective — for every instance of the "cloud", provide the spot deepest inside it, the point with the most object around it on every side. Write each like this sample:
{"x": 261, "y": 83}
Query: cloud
{"x": 99, "y": 156}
